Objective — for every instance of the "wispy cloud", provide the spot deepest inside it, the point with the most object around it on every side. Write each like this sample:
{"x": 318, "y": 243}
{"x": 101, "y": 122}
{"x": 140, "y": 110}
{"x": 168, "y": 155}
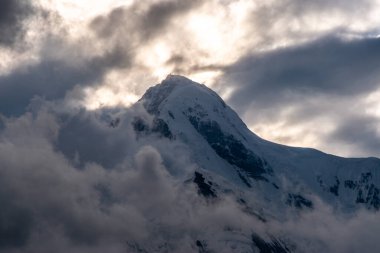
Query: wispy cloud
{"x": 123, "y": 196}
{"x": 270, "y": 55}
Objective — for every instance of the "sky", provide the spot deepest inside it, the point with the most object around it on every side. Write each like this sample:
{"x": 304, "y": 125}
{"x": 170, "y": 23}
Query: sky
{"x": 301, "y": 73}
{"x": 298, "y": 72}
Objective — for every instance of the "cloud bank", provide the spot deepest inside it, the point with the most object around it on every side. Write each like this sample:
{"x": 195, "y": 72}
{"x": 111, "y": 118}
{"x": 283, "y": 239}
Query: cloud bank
{"x": 128, "y": 196}
{"x": 292, "y": 55}
{"x": 13, "y": 14}
{"x": 326, "y": 82}
{"x": 303, "y": 73}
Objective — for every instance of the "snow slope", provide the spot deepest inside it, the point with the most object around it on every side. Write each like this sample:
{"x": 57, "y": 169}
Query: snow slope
{"x": 265, "y": 175}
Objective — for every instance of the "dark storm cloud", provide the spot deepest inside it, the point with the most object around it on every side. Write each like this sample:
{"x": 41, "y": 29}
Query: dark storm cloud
{"x": 184, "y": 67}
{"x": 12, "y": 15}
{"x": 52, "y": 78}
{"x": 15, "y": 223}
{"x": 71, "y": 183}
{"x": 51, "y": 205}
{"x": 329, "y": 66}
{"x": 32, "y": 209}
{"x": 182, "y": 64}
{"x": 360, "y": 131}
{"x": 326, "y": 79}
{"x": 108, "y": 147}
{"x": 160, "y": 14}
{"x": 268, "y": 18}
{"x": 142, "y": 24}
{"x": 301, "y": 7}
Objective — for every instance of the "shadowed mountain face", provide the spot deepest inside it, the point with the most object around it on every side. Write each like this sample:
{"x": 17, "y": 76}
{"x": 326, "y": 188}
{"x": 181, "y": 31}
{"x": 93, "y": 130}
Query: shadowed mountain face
{"x": 222, "y": 145}
{"x": 177, "y": 172}
{"x": 268, "y": 182}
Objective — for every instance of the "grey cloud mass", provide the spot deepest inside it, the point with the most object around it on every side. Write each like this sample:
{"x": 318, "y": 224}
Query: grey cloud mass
{"x": 122, "y": 30}
{"x": 145, "y": 20}
{"x": 71, "y": 183}
{"x": 325, "y": 78}
{"x": 296, "y": 8}
{"x": 52, "y": 78}
{"x": 12, "y": 15}
{"x": 161, "y": 13}
{"x": 54, "y": 204}
{"x": 326, "y": 66}
{"x": 358, "y": 131}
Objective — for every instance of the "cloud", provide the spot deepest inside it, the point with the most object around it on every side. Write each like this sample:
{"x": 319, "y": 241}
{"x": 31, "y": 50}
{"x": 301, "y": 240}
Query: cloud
{"x": 49, "y": 196}
{"x": 160, "y": 14}
{"x": 278, "y": 23}
{"x": 71, "y": 183}
{"x": 12, "y": 17}
{"x": 328, "y": 231}
{"x": 299, "y": 85}
{"x": 66, "y": 62}
{"x": 51, "y": 78}
{"x": 144, "y": 201}
{"x": 148, "y": 19}
{"x": 326, "y": 66}
{"x": 52, "y": 205}
{"x": 143, "y": 38}
{"x": 298, "y": 9}
{"x": 360, "y": 131}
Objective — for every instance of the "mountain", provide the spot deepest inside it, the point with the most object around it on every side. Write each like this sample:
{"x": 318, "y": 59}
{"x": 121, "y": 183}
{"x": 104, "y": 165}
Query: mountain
{"x": 223, "y": 146}
{"x": 176, "y": 172}
{"x": 268, "y": 180}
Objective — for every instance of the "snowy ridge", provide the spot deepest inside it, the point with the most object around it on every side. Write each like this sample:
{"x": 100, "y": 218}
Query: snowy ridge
{"x": 223, "y": 146}
{"x": 269, "y": 183}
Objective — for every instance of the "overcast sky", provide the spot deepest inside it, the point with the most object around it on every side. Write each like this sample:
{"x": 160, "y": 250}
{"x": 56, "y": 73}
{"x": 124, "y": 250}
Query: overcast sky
{"x": 299, "y": 72}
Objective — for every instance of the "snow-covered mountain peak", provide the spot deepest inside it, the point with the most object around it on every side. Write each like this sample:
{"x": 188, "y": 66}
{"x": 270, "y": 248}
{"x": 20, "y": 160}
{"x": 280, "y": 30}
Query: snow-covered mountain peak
{"x": 178, "y": 79}
{"x": 222, "y": 145}
{"x": 180, "y": 91}
{"x": 195, "y": 114}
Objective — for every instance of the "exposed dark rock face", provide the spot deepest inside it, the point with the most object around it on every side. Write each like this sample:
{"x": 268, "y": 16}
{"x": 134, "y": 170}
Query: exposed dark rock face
{"x": 367, "y": 192}
{"x": 171, "y": 115}
{"x": 298, "y": 201}
{"x": 158, "y": 127}
{"x": 153, "y": 98}
{"x": 140, "y": 126}
{"x": 202, "y": 247}
{"x": 244, "y": 179}
{"x": 204, "y": 188}
{"x": 274, "y": 246}
{"x": 335, "y": 188}
{"x": 229, "y": 148}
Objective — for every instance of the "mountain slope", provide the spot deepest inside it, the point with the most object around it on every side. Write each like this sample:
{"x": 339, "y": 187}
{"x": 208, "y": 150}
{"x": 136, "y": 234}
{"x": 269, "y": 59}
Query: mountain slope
{"x": 240, "y": 161}
{"x": 177, "y": 172}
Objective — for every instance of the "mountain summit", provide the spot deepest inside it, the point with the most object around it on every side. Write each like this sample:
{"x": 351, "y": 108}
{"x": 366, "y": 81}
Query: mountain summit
{"x": 232, "y": 168}
{"x": 180, "y": 87}
{"x": 177, "y": 172}
{"x": 227, "y": 151}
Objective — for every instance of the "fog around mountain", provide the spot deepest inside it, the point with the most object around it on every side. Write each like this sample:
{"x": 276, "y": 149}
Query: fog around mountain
{"x": 151, "y": 178}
